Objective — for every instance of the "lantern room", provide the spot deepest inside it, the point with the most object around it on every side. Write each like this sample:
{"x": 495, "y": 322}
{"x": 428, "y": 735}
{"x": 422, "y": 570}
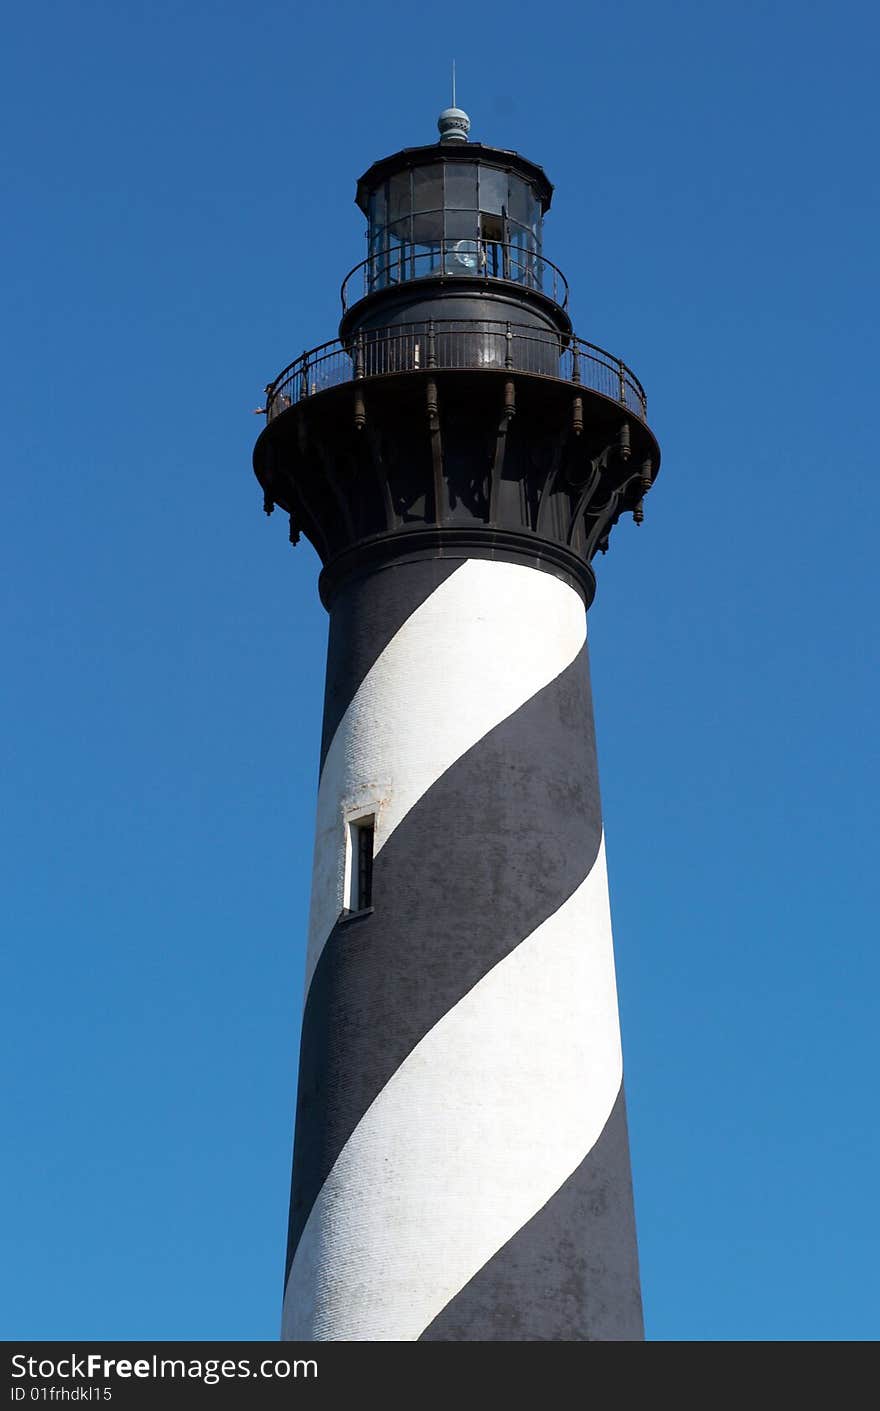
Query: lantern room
{"x": 455, "y": 210}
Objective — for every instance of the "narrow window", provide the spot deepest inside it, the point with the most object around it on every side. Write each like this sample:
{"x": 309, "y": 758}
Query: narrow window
{"x": 361, "y": 838}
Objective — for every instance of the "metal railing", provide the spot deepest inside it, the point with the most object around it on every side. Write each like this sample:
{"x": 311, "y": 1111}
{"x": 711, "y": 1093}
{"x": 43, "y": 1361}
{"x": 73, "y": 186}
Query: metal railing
{"x": 456, "y": 344}
{"x": 474, "y": 259}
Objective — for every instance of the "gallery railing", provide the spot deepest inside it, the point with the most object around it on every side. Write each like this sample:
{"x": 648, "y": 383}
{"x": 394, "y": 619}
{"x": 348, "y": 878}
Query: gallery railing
{"x": 476, "y": 259}
{"x": 456, "y": 344}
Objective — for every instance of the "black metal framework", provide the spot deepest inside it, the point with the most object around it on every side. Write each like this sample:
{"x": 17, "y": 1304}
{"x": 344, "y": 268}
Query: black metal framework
{"x": 457, "y": 414}
{"x": 456, "y": 344}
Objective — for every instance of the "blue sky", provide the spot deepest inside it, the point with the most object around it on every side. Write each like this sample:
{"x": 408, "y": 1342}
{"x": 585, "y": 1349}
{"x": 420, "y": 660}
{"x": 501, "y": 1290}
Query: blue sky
{"x": 180, "y": 215}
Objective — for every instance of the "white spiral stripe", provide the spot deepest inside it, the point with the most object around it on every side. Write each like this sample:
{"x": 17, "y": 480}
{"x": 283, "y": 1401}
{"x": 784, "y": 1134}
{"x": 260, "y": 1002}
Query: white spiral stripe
{"x": 481, "y": 1124}
{"x": 484, "y": 642}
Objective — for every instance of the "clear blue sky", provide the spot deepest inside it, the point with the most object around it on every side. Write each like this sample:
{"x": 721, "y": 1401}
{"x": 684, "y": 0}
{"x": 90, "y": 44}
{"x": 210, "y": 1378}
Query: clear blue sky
{"x": 180, "y": 214}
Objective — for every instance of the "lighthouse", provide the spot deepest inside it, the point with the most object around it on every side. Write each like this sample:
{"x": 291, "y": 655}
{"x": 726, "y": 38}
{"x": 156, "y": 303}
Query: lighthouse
{"x": 457, "y": 456}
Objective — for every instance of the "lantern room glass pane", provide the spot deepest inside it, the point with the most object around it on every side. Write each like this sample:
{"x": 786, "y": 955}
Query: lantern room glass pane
{"x": 461, "y": 186}
{"x": 493, "y": 190}
{"x": 401, "y": 228}
{"x": 427, "y": 227}
{"x": 426, "y": 259}
{"x": 462, "y": 225}
{"x": 378, "y": 208}
{"x": 463, "y": 257}
{"x": 427, "y": 188}
{"x": 399, "y": 197}
{"x": 523, "y": 266}
{"x": 523, "y": 203}
{"x": 377, "y": 259}
{"x": 522, "y": 238}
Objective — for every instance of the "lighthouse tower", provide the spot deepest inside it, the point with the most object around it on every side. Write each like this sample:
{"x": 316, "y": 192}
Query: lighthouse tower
{"x": 457, "y": 456}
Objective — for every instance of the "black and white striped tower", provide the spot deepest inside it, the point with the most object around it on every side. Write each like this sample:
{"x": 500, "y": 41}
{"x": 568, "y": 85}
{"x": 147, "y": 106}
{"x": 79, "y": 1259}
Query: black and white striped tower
{"x": 457, "y": 456}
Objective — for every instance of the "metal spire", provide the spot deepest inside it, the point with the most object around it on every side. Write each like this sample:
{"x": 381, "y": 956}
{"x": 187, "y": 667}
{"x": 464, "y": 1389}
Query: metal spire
{"x": 453, "y": 123}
